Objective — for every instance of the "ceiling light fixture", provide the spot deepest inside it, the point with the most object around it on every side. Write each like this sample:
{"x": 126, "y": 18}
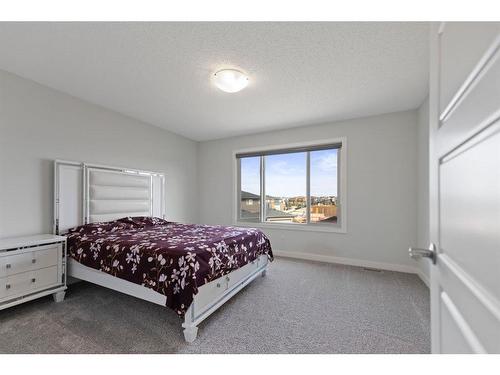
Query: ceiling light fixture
{"x": 230, "y": 80}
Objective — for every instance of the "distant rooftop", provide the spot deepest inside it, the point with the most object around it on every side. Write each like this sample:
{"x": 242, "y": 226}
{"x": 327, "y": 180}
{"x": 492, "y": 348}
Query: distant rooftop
{"x": 247, "y": 195}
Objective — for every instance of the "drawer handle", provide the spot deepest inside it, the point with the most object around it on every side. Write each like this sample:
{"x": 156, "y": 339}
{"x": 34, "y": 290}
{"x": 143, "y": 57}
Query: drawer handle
{"x": 33, "y": 280}
{"x": 218, "y": 285}
{"x": 227, "y": 278}
{"x": 7, "y": 286}
{"x": 33, "y": 261}
{"x": 7, "y": 266}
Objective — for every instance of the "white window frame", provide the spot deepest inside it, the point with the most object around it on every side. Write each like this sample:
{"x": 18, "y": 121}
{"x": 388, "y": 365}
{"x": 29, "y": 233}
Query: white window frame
{"x": 340, "y": 227}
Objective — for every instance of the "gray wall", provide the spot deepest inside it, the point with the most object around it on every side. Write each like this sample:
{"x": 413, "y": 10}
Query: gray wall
{"x": 38, "y": 125}
{"x": 423, "y": 238}
{"x": 381, "y": 180}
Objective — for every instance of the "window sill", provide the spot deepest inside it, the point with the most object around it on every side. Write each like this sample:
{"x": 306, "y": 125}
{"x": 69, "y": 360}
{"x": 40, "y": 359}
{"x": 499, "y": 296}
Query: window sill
{"x": 294, "y": 227}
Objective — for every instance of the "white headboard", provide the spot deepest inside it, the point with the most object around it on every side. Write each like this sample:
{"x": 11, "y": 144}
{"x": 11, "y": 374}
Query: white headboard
{"x": 86, "y": 193}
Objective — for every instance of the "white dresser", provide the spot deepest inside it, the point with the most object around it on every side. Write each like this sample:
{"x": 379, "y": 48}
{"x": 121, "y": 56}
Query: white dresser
{"x": 32, "y": 267}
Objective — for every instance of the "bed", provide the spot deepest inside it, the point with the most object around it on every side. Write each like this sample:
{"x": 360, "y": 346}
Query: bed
{"x": 117, "y": 237}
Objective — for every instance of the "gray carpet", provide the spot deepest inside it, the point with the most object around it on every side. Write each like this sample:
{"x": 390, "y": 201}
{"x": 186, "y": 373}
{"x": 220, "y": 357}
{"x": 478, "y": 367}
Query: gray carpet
{"x": 299, "y": 307}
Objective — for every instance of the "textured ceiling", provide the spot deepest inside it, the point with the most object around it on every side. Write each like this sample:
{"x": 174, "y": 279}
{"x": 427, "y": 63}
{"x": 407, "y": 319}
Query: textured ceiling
{"x": 300, "y": 73}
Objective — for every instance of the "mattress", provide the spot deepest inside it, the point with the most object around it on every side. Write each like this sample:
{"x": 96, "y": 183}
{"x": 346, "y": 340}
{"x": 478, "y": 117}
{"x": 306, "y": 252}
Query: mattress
{"x": 171, "y": 258}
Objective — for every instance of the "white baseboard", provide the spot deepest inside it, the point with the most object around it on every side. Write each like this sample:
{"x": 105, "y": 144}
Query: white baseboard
{"x": 424, "y": 278}
{"x": 349, "y": 261}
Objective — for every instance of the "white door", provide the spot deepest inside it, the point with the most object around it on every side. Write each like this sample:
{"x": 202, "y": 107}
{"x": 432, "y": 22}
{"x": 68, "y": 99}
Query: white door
{"x": 465, "y": 187}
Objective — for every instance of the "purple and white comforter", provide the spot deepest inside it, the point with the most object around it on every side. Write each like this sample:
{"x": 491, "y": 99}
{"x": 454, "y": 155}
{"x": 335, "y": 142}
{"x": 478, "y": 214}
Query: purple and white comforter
{"x": 172, "y": 259}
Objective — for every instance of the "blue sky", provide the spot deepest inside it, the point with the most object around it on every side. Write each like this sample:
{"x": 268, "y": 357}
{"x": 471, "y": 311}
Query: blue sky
{"x": 286, "y": 174}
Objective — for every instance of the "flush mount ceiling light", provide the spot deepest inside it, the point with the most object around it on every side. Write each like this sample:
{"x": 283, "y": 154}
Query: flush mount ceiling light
{"x": 230, "y": 80}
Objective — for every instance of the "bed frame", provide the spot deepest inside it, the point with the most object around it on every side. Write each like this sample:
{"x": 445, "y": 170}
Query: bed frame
{"x": 86, "y": 193}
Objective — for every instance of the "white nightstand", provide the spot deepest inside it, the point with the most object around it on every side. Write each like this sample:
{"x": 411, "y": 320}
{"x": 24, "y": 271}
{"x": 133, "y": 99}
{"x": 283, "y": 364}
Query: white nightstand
{"x": 32, "y": 267}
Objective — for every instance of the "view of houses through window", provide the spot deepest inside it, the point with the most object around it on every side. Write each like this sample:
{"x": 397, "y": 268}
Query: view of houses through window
{"x": 324, "y": 184}
{"x": 285, "y": 178}
{"x": 286, "y": 185}
{"x": 250, "y": 189}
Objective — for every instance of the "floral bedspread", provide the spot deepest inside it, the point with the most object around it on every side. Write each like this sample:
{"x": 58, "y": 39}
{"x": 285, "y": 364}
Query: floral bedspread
{"x": 172, "y": 259}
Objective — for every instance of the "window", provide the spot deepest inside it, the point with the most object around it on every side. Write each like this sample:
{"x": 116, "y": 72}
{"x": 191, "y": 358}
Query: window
{"x": 286, "y": 187}
{"x": 324, "y": 185}
{"x": 250, "y": 189}
{"x": 294, "y": 186}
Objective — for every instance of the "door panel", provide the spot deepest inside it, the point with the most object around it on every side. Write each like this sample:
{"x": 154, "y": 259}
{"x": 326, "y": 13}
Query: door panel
{"x": 478, "y": 106}
{"x": 462, "y": 45}
{"x": 473, "y": 302}
{"x": 465, "y": 187}
{"x": 470, "y": 211}
{"x": 456, "y": 333}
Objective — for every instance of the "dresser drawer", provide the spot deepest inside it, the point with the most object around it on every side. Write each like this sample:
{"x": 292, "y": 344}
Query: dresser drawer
{"x": 16, "y": 263}
{"x": 28, "y": 282}
{"x": 15, "y": 285}
{"x": 45, "y": 277}
{"x": 24, "y": 260}
{"x": 48, "y": 257}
